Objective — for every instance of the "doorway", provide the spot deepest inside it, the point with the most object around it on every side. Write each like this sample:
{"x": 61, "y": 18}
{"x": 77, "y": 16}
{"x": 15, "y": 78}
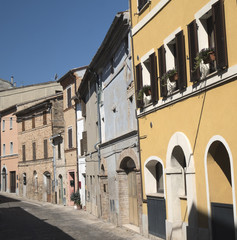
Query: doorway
{"x": 12, "y": 181}
{"x": 4, "y": 180}
{"x": 47, "y": 186}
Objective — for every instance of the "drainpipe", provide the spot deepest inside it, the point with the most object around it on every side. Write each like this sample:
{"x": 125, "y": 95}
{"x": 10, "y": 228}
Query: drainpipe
{"x": 138, "y": 130}
{"x": 77, "y": 172}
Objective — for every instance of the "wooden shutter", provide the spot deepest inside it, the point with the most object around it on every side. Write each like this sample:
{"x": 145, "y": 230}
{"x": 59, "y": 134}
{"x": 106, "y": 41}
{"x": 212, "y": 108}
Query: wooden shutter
{"x": 139, "y": 83}
{"x": 59, "y": 151}
{"x": 193, "y": 50}
{"x": 44, "y": 118}
{"x": 33, "y": 121}
{"x": 153, "y": 78}
{"x": 23, "y": 153}
{"x": 69, "y": 138}
{"x": 45, "y": 148}
{"x": 84, "y": 138}
{"x": 82, "y": 150}
{"x": 220, "y": 34}
{"x": 34, "y": 150}
{"x": 69, "y": 96}
{"x": 83, "y": 108}
{"x": 181, "y": 60}
{"x": 162, "y": 70}
{"x": 23, "y": 125}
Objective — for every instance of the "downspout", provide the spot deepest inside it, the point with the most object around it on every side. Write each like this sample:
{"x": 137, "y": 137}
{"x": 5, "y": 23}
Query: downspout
{"x": 139, "y": 148}
{"x": 54, "y": 167}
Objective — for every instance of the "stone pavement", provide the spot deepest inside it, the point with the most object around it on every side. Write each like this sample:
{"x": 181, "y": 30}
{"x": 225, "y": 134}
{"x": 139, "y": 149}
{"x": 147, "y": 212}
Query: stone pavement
{"x": 23, "y": 219}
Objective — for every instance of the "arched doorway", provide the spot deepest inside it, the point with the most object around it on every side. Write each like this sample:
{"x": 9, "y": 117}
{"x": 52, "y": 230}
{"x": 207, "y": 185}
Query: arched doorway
{"x": 220, "y": 190}
{"x": 47, "y": 187}
{"x": 24, "y": 184}
{"x": 181, "y": 188}
{"x": 129, "y": 186}
{"x": 60, "y": 188}
{"x": 155, "y": 194}
{"x": 4, "y": 179}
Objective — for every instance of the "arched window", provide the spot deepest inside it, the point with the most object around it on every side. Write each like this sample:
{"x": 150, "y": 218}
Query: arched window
{"x": 154, "y": 181}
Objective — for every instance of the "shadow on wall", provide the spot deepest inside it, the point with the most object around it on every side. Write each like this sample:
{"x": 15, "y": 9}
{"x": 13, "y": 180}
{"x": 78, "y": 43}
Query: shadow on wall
{"x": 16, "y": 223}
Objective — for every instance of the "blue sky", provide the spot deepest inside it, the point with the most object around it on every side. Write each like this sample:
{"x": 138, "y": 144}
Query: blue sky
{"x": 39, "y": 38}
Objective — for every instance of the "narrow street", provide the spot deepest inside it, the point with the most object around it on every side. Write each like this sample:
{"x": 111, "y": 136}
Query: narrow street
{"x": 22, "y": 219}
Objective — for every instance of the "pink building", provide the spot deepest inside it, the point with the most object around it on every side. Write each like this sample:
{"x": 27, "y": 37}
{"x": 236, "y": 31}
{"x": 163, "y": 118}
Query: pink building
{"x": 9, "y": 151}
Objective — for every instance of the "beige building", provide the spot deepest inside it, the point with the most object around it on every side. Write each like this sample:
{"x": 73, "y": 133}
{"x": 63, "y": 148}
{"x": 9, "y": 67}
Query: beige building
{"x": 36, "y": 124}
{"x": 70, "y": 82}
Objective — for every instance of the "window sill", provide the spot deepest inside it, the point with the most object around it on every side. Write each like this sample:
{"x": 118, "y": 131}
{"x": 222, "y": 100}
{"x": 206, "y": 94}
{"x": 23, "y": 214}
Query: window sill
{"x": 158, "y": 195}
{"x": 183, "y": 197}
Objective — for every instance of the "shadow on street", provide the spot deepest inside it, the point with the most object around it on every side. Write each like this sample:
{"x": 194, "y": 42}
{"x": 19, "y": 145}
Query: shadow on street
{"x": 18, "y": 224}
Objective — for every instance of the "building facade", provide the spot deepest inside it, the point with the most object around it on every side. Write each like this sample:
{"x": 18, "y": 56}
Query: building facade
{"x": 70, "y": 82}
{"x": 36, "y": 124}
{"x": 9, "y": 151}
{"x": 187, "y": 125}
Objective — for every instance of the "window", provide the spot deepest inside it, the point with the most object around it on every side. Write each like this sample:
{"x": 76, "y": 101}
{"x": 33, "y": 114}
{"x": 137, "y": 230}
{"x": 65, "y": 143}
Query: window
{"x": 59, "y": 151}
{"x": 23, "y": 153}
{"x": 211, "y": 33}
{"x": 44, "y": 118}
{"x": 146, "y": 75}
{"x": 141, "y": 4}
{"x": 34, "y": 151}
{"x": 69, "y": 96}
{"x": 23, "y": 125}
{"x": 3, "y": 149}
{"x": 11, "y": 147}
{"x": 10, "y": 123}
{"x": 45, "y": 148}
{"x": 172, "y": 56}
{"x": 69, "y": 131}
{"x": 33, "y": 121}
{"x": 3, "y": 125}
{"x": 83, "y": 142}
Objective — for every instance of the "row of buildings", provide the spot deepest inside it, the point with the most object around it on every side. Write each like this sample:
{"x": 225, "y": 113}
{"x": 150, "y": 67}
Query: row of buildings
{"x": 146, "y": 151}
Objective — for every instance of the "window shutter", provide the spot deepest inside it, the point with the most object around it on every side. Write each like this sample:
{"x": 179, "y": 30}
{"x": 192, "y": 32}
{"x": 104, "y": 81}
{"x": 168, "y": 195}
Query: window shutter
{"x": 193, "y": 50}
{"x": 139, "y": 83}
{"x": 69, "y": 138}
{"x": 154, "y": 79}
{"x": 181, "y": 60}
{"x": 33, "y": 121}
{"x": 162, "y": 70}
{"x": 34, "y": 150}
{"x": 82, "y": 150}
{"x": 84, "y": 138}
{"x": 45, "y": 148}
{"x": 23, "y": 125}
{"x": 44, "y": 118}
{"x": 23, "y": 153}
{"x": 220, "y": 34}
{"x": 69, "y": 102}
{"x": 83, "y": 108}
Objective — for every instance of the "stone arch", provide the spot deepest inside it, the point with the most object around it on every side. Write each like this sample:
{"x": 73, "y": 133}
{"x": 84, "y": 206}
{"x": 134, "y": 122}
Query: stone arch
{"x": 150, "y": 176}
{"x": 103, "y": 167}
{"x": 218, "y": 159}
{"x": 181, "y": 186}
{"x": 124, "y": 156}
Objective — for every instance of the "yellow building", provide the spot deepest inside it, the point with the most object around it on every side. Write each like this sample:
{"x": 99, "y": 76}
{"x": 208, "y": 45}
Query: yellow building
{"x": 187, "y": 125}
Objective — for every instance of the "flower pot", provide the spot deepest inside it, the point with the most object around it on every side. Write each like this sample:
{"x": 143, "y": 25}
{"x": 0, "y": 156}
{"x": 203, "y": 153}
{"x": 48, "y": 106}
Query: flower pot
{"x": 210, "y": 58}
{"x": 148, "y": 92}
{"x": 174, "y": 77}
{"x": 77, "y": 207}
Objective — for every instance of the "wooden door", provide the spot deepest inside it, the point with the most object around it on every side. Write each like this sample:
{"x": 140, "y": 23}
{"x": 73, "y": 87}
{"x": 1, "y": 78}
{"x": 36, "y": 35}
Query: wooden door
{"x": 13, "y": 181}
{"x": 132, "y": 190}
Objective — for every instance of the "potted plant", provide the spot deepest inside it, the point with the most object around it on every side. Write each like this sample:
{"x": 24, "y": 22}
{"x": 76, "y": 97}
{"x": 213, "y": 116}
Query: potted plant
{"x": 171, "y": 74}
{"x": 145, "y": 89}
{"x": 206, "y": 55}
{"x": 76, "y": 198}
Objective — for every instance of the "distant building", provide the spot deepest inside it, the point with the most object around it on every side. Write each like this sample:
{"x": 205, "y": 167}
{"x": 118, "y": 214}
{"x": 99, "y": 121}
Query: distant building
{"x": 36, "y": 124}
{"x": 4, "y": 85}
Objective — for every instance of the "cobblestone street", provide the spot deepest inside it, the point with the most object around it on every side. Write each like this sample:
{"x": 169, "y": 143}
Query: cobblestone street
{"x": 22, "y": 219}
